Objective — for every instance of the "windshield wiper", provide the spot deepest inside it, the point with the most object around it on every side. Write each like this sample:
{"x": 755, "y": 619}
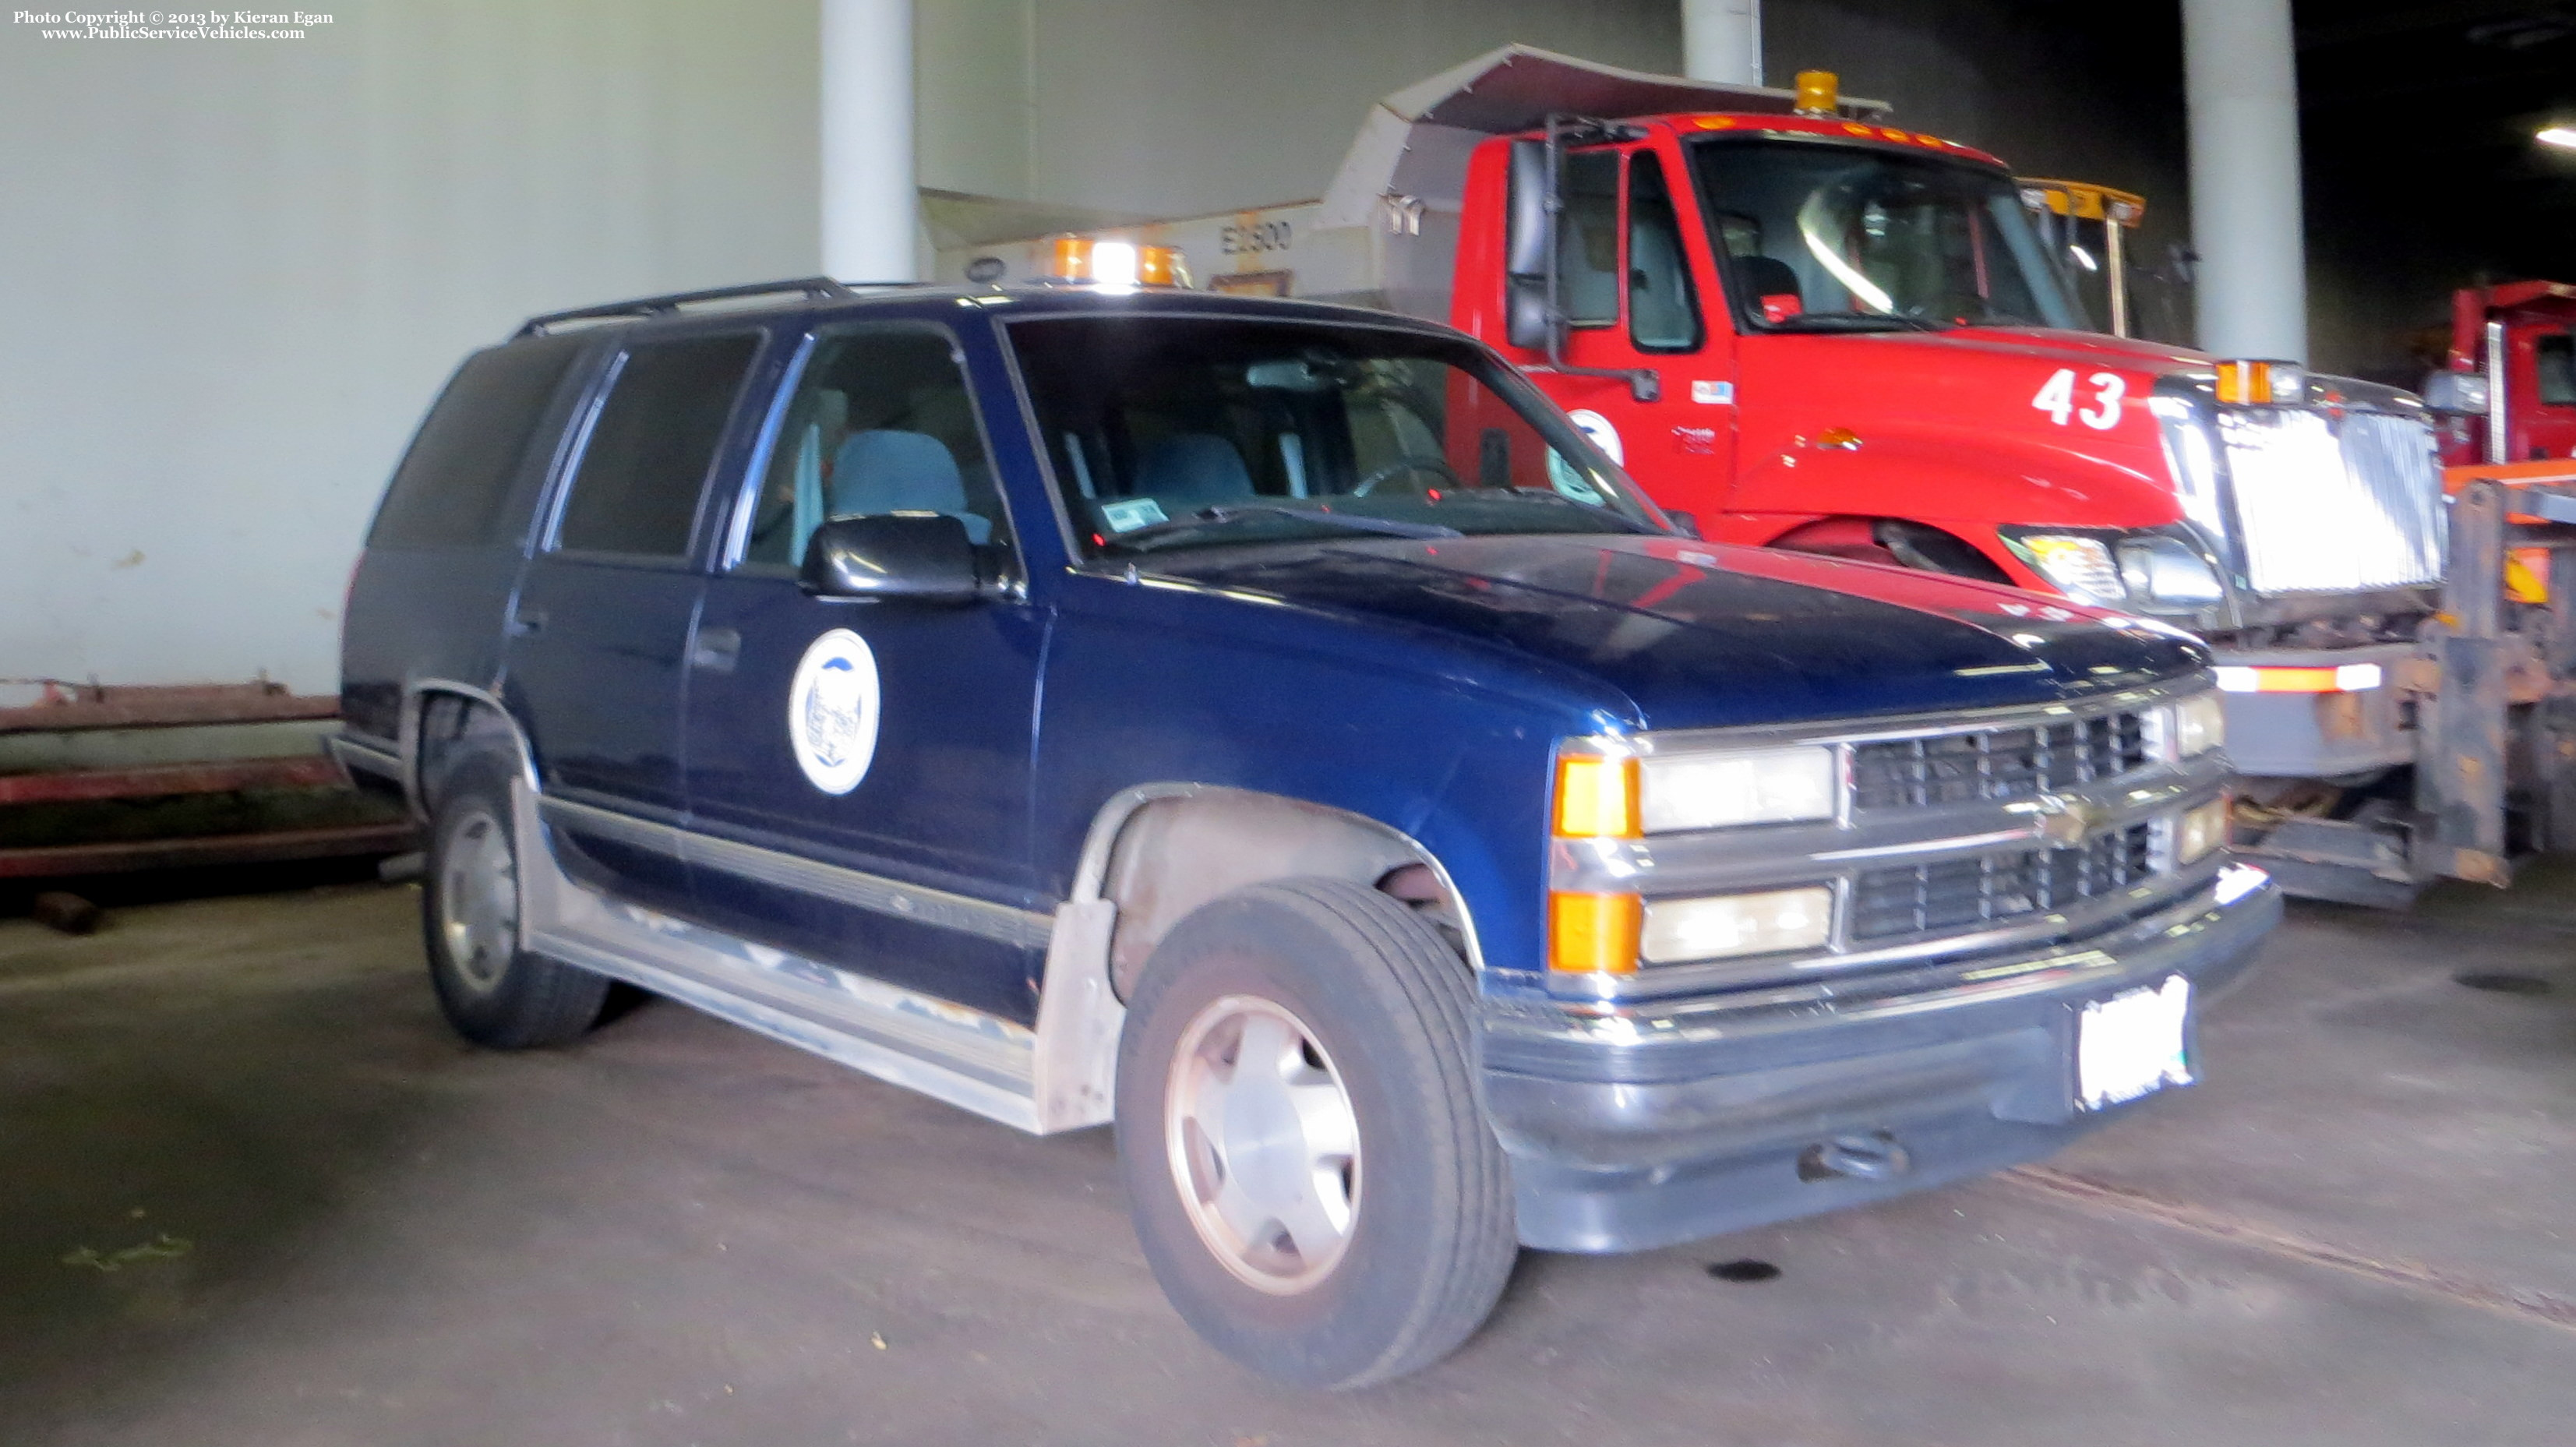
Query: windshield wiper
{"x": 1224, "y": 513}
{"x": 1549, "y": 494}
{"x": 1857, "y": 322}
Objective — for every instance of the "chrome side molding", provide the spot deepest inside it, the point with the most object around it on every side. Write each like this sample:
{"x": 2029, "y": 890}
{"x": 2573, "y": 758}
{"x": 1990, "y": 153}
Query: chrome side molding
{"x": 1056, "y": 1077}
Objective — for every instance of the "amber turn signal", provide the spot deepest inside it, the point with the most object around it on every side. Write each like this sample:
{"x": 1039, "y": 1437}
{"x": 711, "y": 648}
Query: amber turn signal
{"x": 1593, "y": 934}
{"x": 1596, "y": 798}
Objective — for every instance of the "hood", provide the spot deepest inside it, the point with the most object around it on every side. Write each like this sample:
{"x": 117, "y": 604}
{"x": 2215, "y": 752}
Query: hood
{"x": 1700, "y": 635}
{"x": 2098, "y": 349}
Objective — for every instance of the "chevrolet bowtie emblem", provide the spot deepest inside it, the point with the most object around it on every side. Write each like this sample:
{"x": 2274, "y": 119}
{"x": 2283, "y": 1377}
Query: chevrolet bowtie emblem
{"x": 2066, "y": 821}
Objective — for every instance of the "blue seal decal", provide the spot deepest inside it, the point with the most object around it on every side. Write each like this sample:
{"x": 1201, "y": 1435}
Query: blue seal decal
{"x": 832, "y": 711}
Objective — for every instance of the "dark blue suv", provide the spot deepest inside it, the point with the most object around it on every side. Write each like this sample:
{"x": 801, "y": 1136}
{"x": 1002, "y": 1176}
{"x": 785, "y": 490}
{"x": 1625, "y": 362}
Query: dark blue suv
{"x": 1275, "y": 729}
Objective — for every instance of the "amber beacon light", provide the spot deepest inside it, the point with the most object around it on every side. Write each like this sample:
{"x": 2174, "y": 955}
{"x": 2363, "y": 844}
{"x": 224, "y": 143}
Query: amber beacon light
{"x": 1819, "y": 92}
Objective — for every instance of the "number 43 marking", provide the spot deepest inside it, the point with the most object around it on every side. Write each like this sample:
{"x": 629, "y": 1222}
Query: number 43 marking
{"x": 2057, "y": 399}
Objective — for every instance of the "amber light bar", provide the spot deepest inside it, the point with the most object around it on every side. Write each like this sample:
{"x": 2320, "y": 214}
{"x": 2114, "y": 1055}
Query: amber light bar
{"x": 1115, "y": 263}
{"x": 2265, "y": 678}
{"x": 2260, "y": 384}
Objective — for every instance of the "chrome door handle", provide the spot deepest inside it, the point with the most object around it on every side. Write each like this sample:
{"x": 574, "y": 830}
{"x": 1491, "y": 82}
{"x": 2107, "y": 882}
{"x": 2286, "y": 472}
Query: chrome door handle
{"x": 716, "y": 650}
{"x": 525, "y": 622}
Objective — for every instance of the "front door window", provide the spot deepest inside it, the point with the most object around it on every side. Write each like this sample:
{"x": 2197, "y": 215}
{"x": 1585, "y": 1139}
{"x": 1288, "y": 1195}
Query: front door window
{"x": 879, "y": 423}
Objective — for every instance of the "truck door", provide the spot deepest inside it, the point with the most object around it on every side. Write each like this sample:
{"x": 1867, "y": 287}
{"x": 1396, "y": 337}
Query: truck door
{"x": 2547, "y": 420}
{"x": 1629, "y": 286}
{"x": 601, "y": 620}
{"x": 862, "y": 768}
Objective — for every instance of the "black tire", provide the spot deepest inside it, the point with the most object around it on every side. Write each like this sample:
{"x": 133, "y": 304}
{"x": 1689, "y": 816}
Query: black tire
{"x": 494, "y": 993}
{"x": 1385, "y": 1005}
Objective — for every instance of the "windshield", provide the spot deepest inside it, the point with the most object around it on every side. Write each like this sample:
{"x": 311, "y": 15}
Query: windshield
{"x": 1178, "y": 431}
{"x": 1832, "y": 238}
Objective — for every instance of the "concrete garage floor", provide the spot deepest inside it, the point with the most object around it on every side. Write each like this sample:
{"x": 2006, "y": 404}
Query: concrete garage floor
{"x": 2362, "y": 1230}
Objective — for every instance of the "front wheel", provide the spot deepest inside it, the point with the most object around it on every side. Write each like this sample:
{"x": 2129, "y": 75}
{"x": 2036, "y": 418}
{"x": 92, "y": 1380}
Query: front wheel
{"x": 1311, "y": 1177}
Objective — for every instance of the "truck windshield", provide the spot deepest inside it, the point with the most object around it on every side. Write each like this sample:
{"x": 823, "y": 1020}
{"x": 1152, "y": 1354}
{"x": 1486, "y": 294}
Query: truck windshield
{"x": 1169, "y": 431}
{"x": 1850, "y": 238}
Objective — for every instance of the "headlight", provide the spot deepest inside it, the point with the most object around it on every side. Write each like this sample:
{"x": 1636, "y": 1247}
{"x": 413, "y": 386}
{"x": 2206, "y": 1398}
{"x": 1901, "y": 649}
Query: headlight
{"x": 2166, "y": 570}
{"x": 2080, "y": 567}
{"x": 1711, "y": 791}
{"x": 1724, "y": 926}
{"x": 2192, "y": 726}
{"x": 2143, "y": 570}
{"x": 2199, "y": 830}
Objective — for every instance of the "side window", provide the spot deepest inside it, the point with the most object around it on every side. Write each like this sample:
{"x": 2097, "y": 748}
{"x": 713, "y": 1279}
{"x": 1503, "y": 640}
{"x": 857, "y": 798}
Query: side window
{"x": 881, "y": 422}
{"x": 641, "y": 474}
{"x": 1663, "y": 310}
{"x": 452, "y": 484}
{"x": 1587, "y": 239}
{"x": 2555, "y": 356}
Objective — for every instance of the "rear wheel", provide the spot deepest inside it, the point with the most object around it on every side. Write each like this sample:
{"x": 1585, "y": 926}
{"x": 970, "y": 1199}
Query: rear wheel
{"x": 1312, "y": 1180}
{"x": 493, "y": 992}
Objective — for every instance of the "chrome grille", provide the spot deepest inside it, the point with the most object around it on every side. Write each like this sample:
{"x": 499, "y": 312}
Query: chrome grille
{"x": 1992, "y": 888}
{"x": 1996, "y": 764}
{"x": 2326, "y": 506}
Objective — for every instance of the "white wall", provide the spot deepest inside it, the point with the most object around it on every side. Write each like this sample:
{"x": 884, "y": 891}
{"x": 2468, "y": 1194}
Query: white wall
{"x": 232, "y": 275}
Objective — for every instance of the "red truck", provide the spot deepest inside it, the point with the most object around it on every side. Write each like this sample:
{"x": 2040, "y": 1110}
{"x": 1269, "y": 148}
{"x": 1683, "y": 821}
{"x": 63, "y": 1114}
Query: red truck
{"x": 1805, "y": 327}
{"x": 2510, "y": 383}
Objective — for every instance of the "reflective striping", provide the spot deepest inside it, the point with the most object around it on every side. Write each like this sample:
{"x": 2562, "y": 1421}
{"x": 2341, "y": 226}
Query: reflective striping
{"x": 873, "y": 893}
{"x": 2268, "y": 678}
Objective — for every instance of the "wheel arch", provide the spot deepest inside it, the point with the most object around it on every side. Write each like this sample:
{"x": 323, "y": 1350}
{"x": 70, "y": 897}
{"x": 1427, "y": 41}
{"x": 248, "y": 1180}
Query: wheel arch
{"x": 1914, "y": 544}
{"x": 440, "y": 716}
{"x": 1158, "y": 851}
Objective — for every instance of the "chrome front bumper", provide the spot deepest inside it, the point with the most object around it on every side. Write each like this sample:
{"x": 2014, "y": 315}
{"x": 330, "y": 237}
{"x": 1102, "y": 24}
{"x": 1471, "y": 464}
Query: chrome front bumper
{"x": 1644, "y": 1125}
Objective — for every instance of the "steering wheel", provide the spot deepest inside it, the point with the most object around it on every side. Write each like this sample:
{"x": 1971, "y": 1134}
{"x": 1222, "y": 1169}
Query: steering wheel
{"x": 1410, "y": 462}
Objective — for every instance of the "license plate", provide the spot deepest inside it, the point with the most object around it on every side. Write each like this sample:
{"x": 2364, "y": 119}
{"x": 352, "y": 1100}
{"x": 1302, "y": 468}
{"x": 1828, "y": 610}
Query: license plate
{"x": 2132, "y": 1044}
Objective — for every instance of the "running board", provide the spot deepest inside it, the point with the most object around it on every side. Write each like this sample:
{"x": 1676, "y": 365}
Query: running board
{"x": 1056, "y": 1077}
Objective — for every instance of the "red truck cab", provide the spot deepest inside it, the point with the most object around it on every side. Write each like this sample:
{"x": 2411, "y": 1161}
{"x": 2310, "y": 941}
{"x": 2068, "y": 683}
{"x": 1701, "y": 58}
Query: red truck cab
{"x": 2510, "y": 383}
{"x": 1824, "y": 332}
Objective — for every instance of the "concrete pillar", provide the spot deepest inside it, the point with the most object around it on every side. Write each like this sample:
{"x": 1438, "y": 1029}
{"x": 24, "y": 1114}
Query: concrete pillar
{"x": 1722, "y": 40}
{"x": 2241, "y": 78}
{"x": 871, "y": 193}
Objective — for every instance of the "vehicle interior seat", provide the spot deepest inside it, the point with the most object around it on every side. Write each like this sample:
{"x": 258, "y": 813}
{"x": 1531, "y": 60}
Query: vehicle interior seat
{"x": 882, "y": 470}
{"x": 1769, "y": 276}
{"x": 1187, "y": 471}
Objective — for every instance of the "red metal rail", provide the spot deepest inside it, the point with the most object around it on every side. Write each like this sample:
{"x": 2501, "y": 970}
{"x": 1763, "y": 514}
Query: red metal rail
{"x": 123, "y": 856}
{"x": 96, "y": 706}
{"x": 81, "y": 785}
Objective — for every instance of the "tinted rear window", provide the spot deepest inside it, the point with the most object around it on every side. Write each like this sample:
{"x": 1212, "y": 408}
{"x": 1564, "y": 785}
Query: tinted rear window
{"x": 645, "y": 465}
{"x": 451, "y": 486}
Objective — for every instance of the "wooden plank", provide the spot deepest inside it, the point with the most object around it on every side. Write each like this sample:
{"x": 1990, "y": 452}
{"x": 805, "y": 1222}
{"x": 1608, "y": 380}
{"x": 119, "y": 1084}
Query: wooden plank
{"x": 126, "y": 856}
{"x": 79, "y": 785}
{"x": 91, "y": 706}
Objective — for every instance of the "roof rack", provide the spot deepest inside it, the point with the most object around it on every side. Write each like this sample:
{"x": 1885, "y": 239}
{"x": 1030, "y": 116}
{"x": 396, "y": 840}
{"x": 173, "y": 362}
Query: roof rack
{"x": 814, "y": 288}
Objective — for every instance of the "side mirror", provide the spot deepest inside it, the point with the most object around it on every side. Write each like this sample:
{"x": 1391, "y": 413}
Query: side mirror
{"x": 912, "y": 557}
{"x": 1526, "y": 243}
{"x": 2456, "y": 394}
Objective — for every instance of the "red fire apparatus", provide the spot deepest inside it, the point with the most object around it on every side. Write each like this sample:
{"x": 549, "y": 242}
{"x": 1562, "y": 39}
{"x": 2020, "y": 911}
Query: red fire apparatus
{"x": 1805, "y": 327}
{"x": 2510, "y": 386}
